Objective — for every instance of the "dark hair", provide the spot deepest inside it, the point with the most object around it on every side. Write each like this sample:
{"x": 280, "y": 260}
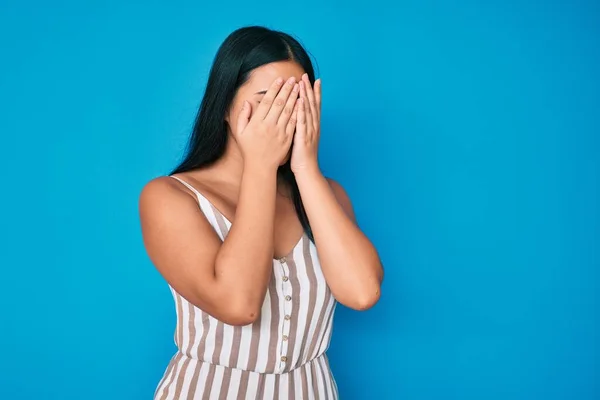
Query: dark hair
{"x": 242, "y": 51}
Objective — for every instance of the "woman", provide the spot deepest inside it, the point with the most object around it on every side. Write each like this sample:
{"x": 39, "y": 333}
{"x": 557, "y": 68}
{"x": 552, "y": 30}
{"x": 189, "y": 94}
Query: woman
{"x": 255, "y": 243}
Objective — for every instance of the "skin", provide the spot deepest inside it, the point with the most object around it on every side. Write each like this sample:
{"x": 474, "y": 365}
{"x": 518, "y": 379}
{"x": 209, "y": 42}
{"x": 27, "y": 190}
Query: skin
{"x": 229, "y": 279}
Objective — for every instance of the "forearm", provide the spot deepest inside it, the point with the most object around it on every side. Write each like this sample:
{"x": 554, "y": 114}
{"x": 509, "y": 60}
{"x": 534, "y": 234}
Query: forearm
{"x": 349, "y": 261}
{"x": 243, "y": 263}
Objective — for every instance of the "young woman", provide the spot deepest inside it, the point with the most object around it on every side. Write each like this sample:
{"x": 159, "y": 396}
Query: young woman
{"x": 255, "y": 243}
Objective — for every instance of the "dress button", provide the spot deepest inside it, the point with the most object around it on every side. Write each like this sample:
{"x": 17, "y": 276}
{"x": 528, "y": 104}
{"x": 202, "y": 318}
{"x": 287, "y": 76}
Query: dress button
{"x": 285, "y": 338}
{"x": 284, "y": 358}
{"x": 288, "y": 298}
{"x": 287, "y": 317}
{"x": 285, "y": 278}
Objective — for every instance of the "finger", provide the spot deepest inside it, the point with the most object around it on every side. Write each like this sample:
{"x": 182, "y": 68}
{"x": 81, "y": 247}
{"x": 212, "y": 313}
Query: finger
{"x": 268, "y": 99}
{"x": 289, "y": 107}
{"x": 291, "y": 124}
{"x": 243, "y": 117}
{"x": 301, "y": 123}
{"x": 318, "y": 88}
{"x": 312, "y": 102}
{"x": 307, "y": 111}
{"x": 317, "y": 117}
{"x": 280, "y": 100}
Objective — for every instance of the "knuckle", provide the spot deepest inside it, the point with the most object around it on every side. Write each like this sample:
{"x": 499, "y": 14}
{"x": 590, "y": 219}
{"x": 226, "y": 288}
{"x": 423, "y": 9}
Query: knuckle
{"x": 288, "y": 110}
{"x": 279, "y": 102}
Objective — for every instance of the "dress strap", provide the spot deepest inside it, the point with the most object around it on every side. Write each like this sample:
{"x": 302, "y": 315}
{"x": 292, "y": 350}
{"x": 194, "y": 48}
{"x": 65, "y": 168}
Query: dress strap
{"x": 187, "y": 185}
{"x": 214, "y": 216}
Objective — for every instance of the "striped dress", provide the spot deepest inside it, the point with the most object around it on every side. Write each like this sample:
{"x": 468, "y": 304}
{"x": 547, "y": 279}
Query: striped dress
{"x": 280, "y": 356}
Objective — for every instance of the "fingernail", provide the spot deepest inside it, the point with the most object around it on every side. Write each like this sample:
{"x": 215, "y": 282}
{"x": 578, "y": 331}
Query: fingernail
{"x": 295, "y": 87}
{"x": 279, "y": 81}
{"x": 291, "y": 80}
{"x": 302, "y": 84}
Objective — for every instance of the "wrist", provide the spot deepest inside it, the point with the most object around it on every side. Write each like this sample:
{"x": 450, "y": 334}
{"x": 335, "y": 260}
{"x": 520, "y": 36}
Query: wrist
{"x": 307, "y": 172}
{"x": 260, "y": 169}
{"x": 259, "y": 165}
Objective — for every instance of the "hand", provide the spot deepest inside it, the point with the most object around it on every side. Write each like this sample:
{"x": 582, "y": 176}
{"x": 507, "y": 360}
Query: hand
{"x": 308, "y": 127}
{"x": 266, "y": 137}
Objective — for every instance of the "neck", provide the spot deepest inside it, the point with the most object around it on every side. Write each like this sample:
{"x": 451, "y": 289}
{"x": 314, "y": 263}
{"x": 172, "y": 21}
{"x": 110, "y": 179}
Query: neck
{"x": 230, "y": 167}
{"x": 231, "y": 164}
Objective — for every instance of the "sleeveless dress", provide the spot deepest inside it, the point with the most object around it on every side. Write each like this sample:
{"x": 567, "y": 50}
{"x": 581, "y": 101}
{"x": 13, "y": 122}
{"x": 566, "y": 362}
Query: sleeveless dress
{"x": 280, "y": 356}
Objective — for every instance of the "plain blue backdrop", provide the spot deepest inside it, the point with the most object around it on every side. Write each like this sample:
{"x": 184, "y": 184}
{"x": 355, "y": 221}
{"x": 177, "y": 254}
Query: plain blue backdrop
{"x": 465, "y": 132}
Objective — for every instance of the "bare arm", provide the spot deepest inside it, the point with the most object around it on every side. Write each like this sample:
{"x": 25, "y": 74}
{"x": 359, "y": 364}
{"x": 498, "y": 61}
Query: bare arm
{"x": 227, "y": 280}
{"x": 349, "y": 260}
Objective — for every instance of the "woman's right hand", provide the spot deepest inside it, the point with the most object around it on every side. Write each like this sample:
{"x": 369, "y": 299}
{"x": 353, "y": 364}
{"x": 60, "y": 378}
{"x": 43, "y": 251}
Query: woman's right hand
{"x": 265, "y": 137}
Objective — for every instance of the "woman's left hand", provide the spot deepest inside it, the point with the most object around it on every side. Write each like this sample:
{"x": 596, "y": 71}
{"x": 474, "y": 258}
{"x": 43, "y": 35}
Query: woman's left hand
{"x": 308, "y": 127}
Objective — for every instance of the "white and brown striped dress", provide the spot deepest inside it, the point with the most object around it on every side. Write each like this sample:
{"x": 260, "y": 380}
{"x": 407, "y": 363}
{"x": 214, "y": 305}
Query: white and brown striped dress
{"x": 280, "y": 356}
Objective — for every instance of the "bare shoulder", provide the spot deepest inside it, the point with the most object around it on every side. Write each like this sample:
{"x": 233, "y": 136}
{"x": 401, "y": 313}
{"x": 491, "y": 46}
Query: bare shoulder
{"x": 160, "y": 185}
{"x": 341, "y": 196}
{"x": 163, "y": 193}
{"x": 165, "y": 202}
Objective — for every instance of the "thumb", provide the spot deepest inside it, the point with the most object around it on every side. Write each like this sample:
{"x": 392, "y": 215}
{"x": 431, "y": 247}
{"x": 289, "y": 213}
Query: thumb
{"x": 243, "y": 117}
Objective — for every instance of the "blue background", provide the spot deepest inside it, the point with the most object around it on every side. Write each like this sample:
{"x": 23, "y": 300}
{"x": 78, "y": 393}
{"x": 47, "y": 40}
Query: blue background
{"x": 466, "y": 133}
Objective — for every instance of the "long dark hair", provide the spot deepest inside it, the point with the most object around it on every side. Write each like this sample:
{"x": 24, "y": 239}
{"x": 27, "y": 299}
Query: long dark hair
{"x": 242, "y": 51}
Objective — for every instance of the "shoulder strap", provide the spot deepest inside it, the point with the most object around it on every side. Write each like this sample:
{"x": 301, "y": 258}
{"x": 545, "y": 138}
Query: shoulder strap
{"x": 187, "y": 185}
{"x": 214, "y": 216}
